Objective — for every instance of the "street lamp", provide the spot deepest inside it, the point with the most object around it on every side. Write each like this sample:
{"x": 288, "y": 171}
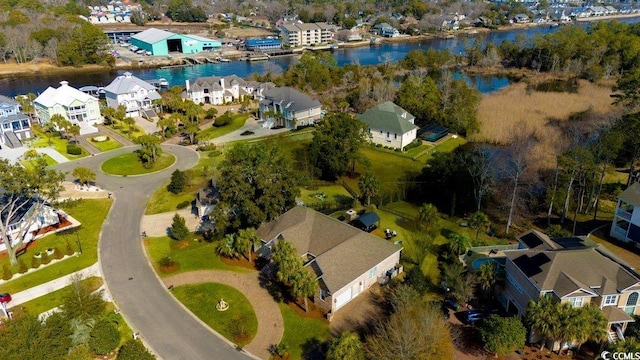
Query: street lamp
{"x": 78, "y": 240}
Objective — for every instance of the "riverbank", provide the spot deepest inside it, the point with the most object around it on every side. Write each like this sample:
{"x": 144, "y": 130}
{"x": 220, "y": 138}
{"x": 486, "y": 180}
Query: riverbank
{"x": 11, "y": 70}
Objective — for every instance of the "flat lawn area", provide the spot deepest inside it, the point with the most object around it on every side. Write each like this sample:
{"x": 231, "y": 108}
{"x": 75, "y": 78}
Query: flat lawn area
{"x": 129, "y": 164}
{"x": 238, "y": 324}
{"x": 191, "y": 255}
{"x": 28, "y": 164}
{"x": 390, "y": 168}
{"x": 130, "y": 133}
{"x": 55, "y": 298}
{"x": 298, "y": 331}
{"x": 333, "y": 193}
{"x": 106, "y": 145}
{"x": 198, "y": 177}
{"x": 91, "y": 214}
{"x": 60, "y": 145}
{"x": 237, "y": 121}
{"x": 447, "y": 145}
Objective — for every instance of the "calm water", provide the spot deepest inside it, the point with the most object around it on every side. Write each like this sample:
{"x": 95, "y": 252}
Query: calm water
{"x": 363, "y": 56}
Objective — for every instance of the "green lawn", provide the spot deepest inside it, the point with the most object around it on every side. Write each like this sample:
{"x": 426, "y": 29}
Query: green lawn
{"x": 60, "y": 145}
{"x": 447, "y": 145}
{"x": 198, "y": 176}
{"x": 194, "y": 256}
{"x": 107, "y": 145}
{"x": 239, "y": 319}
{"x": 333, "y": 193}
{"x": 129, "y": 164}
{"x": 91, "y": 214}
{"x": 299, "y": 331}
{"x": 237, "y": 121}
{"x": 55, "y": 298}
{"x": 122, "y": 129}
{"x": 28, "y": 164}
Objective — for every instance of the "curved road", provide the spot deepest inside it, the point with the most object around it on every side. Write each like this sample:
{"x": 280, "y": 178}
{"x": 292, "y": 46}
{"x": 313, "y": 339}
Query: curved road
{"x": 171, "y": 331}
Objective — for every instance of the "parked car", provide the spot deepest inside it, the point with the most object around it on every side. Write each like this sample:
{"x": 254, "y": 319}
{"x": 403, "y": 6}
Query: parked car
{"x": 472, "y": 316}
{"x": 148, "y": 53}
{"x": 5, "y": 297}
{"x": 140, "y": 51}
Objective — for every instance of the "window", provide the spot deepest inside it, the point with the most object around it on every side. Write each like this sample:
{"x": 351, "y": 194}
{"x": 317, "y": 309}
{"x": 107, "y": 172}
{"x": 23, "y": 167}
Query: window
{"x": 610, "y": 300}
{"x": 576, "y": 301}
{"x": 514, "y": 283}
{"x": 372, "y": 273}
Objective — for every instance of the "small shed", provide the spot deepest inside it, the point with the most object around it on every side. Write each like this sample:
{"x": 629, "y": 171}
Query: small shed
{"x": 433, "y": 132}
{"x": 366, "y": 222}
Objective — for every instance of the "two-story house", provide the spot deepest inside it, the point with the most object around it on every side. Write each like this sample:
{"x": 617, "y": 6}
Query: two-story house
{"x": 14, "y": 125}
{"x": 28, "y": 221}
{"x": 572, "y": 270}
{"x": 346, "y": 261}
{"x": 285, "y": 106}
{"x": 134, "y": 94}
{"x": 219, "y": 90}
{"x": 79, "y": 108}
{"x": 390, "y": 125}
{"x": 626, "y": 219}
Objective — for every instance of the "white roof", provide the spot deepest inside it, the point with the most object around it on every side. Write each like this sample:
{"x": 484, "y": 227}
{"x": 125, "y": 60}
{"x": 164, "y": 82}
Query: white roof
{"x": 200, "y": 38}
{"x": 126, "y": 83}
{"x": 64, "y": 95}
{"x": 152, "y": 36}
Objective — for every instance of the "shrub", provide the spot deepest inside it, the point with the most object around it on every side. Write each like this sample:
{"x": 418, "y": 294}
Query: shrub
{"x": 183, "y": 205}
{"x": 223, "y": 120}
{"x": 166, "y": 261}
{"x": 57, "y": 253}
{"x": 179, "y": 228}
{"x": 413, "y": 144}
{"x": 35, "y": 263}
{"x": 69, "y": 249}
{"x": 134, "y": 350}
{"x": 45, "y": 258}
{"x": 210, "y": 113}
{"x": 556, "y": 231}
{"x": 104, "y": 337}
{"x": 178, "y": 182}
{"x": 73, "y": 149}
{"x": 6, "y": 272}
{"x": 207, "y": 147}
{"x": 22, "y": 267}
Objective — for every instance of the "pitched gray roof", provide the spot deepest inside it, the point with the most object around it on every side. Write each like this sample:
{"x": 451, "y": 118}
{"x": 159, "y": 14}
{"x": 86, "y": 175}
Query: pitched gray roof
{"x": 342, "y": 252}
{"x": 152, "y": 35}
{"x": 631, "y": 195}
{"x": 291, "y": 98}
{"x": 13, "y": 117}
{"x": 124, "y": 84}
{"x": 566, "y": 271}
{"x": 7, "y": 100}
{"x": 388, "y": 117}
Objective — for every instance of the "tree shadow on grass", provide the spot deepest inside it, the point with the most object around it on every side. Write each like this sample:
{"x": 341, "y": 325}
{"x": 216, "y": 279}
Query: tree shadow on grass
{"x": 314, "y": 349}
{"x": 272, "y": 286}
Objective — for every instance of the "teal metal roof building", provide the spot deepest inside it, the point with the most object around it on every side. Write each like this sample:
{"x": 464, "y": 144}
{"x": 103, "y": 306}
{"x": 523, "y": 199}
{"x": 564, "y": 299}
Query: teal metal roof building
{"x": 161, "y": 42}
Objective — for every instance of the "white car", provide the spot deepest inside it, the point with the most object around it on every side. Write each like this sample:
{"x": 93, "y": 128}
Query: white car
{"x": 148, "y": 53}
{"x": 140, "y": 51}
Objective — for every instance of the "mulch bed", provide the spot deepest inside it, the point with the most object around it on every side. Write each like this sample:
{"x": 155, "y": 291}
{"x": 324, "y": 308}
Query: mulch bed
{"x": 169, "y": 269}
{"x": 62, "y": 223}
{"x": 240, "y": 262}
{"x": 314, "y": 312}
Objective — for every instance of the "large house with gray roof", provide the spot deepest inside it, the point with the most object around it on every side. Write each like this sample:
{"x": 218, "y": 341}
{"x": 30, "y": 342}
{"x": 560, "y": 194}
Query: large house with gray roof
{"x": 572, "y": 270}
{"x": 346, "y": 260}
{"x": 390, "y": 125}
{"x": 626, "y": 219}
{"x": 288, "y": 107}
{"x": 135, "y": 95}
{"x": 14, "y": 125}
{"x": 79, "y": 108}
{"x": 220, "y": 90}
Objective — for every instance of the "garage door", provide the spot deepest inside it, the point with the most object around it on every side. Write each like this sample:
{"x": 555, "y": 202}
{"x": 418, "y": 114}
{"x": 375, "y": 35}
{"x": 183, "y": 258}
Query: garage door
{"x": 343, "y": 298}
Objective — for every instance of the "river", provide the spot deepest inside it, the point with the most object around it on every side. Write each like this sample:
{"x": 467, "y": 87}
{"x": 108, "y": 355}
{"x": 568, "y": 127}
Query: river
{"x": 363, "y": 56}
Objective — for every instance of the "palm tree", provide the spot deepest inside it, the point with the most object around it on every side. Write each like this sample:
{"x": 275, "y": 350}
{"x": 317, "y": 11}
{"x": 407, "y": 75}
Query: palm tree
{"x": 304, "y": 284}
{"x": 464, "y": 289}
{"x": 477, "y": 221}
{"x": 346, "y": 346}
{"x": 542, "y": 316}
{"x": 129, "y": 121}
{"x": 245, "y": 240}
{"x": 428, "y": 217}
{"x": 226, "y": 246}
{"x": 458, "y": 244}
{"x": 369, "y": 185}
{"x": 488, "y": 276}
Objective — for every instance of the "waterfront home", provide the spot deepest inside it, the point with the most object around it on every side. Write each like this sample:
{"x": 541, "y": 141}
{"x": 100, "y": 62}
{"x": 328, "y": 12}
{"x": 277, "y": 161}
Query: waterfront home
{"x": 14, "y": 125}
{"x": 79, "y": 108}
{"x": 345, "y": 260}
{"x": 135, "y": 95}
{"x": 626, "y": 219}
{"x": 386, "y": 30}
{"x": 305, "y": 34}
{"x": 390, "y": 125}
{"x": 220, "y": 90}
{"x": 571, "y": 270}
{"x": 285, "y": 106}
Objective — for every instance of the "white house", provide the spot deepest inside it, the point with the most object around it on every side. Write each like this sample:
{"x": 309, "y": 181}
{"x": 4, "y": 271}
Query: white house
{"x": 346, "y": 260}
{"x": 219, "y": 90}
{"x": 74, "y": 105}
{"x": 390, "y": 125}
{"x": 304, "y": 34}
{"x": 626, "y": 219}
{"x": 14, "y": 125}
{"x": 27, "y": 223}
{"x": 291, "y": 108}
{"x": 135, "y": 94}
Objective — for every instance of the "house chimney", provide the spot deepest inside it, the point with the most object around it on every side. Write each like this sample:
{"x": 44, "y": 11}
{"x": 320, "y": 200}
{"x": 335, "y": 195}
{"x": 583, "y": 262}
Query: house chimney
{"x": 222, "y": 83}
{"x": 64, "y": 83}
{"x": 186, "y": 83}
{"x": 404, "y": 115}
{"x": 127, "y": 74}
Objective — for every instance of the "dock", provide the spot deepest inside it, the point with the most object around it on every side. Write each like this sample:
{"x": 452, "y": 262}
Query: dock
{"x": 258, "y": 57}
{"x": 175, "y": 66}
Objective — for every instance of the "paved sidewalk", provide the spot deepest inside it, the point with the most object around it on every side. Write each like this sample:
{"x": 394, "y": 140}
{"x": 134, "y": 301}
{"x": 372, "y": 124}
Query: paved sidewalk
{"x": 158, "y": 224}
{"x": 270, "y": 322}
{"x": 53, "y": 285}
{"x": 59, "y": 158}
{"x": 114, "y": 135}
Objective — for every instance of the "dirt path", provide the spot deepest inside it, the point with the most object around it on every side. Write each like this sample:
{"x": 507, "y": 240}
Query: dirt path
{"x": 270, "y": 322}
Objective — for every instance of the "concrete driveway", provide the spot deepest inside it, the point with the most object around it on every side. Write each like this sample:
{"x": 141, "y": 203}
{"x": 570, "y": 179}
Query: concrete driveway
{"x": 252, "y": 124}
{"x": 148, "y": 307}
{"x": 158, "y": 224}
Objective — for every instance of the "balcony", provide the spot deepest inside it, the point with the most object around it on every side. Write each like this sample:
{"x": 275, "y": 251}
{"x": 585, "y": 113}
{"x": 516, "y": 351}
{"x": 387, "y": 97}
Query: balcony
{"x": 623, "y": 214}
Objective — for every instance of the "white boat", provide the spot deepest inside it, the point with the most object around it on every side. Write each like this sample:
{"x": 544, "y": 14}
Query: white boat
{"x": 163, "y": 82}
{"x": 224, "y": 60}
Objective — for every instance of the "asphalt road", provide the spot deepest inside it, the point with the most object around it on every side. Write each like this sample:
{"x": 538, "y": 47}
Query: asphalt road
{"x": 162, "y": 322}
